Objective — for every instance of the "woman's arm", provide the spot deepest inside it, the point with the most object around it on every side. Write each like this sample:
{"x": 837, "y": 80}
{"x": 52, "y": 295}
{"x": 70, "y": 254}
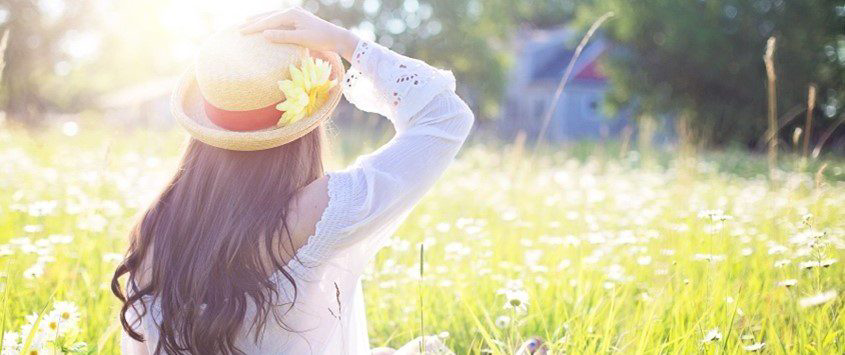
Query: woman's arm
{"x": 129, "y": 346}
{"x": 374, "y": 194}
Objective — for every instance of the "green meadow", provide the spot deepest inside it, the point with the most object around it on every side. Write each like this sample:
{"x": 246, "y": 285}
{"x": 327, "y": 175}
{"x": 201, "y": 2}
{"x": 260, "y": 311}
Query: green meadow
{"x": 591, "y": 248}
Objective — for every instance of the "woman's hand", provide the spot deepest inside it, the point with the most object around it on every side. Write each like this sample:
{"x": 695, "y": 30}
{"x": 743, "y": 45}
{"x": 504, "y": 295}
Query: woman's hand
{"x": 297, "y": 26}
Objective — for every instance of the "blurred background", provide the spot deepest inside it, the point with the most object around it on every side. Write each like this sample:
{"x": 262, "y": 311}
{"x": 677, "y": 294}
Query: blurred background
{"x": 693, "y": 164}
{"x": 660, "y": 71}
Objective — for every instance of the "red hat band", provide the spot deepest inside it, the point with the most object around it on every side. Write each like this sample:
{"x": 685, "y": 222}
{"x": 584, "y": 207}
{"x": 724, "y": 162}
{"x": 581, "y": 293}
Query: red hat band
{"x": 249, "y": 120}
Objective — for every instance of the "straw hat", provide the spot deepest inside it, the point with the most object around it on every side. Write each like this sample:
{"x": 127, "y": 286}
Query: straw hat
{"x": 228, "y": 98}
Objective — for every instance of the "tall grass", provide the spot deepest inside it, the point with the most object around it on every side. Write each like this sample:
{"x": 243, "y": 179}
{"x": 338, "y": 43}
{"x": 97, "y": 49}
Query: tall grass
{"x": 808, "y": 123}
{"x": 591, "y": 252}
{"x": 771, "y": 93}
{"x": 547, "y": 115}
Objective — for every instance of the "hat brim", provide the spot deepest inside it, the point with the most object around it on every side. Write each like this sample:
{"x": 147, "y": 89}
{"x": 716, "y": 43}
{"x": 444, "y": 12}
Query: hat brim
{"x": 188, "y": 109}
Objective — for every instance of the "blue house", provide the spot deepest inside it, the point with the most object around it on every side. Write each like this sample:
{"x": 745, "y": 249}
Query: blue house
{"x": 541, "y": 57}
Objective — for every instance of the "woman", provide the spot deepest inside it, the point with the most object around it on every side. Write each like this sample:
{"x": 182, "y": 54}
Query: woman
{"x": 251, "y": 248}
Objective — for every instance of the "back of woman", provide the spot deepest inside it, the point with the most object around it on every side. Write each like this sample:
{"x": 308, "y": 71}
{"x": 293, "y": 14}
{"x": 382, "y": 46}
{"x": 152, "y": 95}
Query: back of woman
{"x": 251, "y": 248}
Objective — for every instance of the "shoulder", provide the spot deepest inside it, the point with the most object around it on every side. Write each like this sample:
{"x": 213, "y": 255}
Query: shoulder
{"x": 306, "y": 209}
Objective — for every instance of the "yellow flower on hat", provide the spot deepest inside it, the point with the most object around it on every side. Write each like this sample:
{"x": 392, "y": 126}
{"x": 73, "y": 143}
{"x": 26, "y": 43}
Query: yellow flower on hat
{"x": 306, "y": 90}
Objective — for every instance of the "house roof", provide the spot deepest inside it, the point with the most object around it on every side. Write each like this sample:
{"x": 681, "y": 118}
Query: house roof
{"x": 551, "y": 57}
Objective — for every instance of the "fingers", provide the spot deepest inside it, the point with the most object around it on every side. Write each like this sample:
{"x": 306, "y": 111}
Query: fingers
{"x": 286, "y": 36}
{"x": 272, "y": 21}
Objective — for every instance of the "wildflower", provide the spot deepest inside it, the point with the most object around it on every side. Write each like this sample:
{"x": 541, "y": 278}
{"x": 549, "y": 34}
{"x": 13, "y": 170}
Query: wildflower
{"x": 51, "y": 326}
{"x": 37, "y": 331}
{"x": 777, "y": 249}
{"x": 456, "y": 251}
{"x": 714, "y": 215}
{"x": 828, "y": 262}
{"x": 20, "y": 241}
{"x": 306, "y": 90}
{"x": 11, "y": 342}
{"x": 532, "y": 256}
{"x": 44, "y": 258}
{"x": 33, "y": 228}
{"x": 540, "y": 280}
{"x": 810, "y": 238}
{"x": 67, "y": 314}
{"x": 782, "y": 262}
{"x": 817, "y": 299}
{"x": 709, "y": 257}
{"x": 112, "y": 257}
{"x": 564, "y": 264}
{"x": 509, "y": 215}
{"x": 755, "y": 347}
{"x": 33, "y": 272}
{"x": 817, "y": 263}
{"x": 713, "y": 335}
{"x": 616, "y": 272}
{"x": 806, "y": 219}
{"x": 503, "y": 321}
{"x": 516, "y": 300}
{"x": 42, "y": 208}
{"x": 515, "y": 284}
{"x": 60, "y": 238}
{"x": 93, "y": 222}
{"x": 443, "y": 227}
{"x": 788, "y": 283}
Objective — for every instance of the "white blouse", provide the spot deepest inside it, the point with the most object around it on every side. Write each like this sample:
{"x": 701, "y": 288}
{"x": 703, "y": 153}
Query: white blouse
{"x": 367, "y": 203}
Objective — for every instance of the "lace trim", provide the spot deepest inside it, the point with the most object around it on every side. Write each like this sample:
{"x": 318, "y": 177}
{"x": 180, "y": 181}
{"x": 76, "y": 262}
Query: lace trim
{"x": 315, "y": 249}
{"x": 392, "y": 85}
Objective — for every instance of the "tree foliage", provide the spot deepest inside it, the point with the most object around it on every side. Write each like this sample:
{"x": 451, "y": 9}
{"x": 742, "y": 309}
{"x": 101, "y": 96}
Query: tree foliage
{"x": 470, "y": 37}
{"x": 703, "y": 59}
{"x": 136, "y": 41}
{"x": 34, "y": 52}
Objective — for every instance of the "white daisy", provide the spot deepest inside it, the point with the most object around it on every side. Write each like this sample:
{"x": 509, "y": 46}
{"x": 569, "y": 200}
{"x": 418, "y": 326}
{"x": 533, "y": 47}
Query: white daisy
{"x": 755, "y": 347}
{"x": 817, "y": 299}
{"x": 713, "y": 335}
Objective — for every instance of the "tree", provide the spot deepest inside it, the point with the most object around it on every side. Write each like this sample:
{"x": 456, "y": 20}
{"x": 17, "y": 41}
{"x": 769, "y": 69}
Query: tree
{"x": 35, "y": 35}
{"x": 141, "y": 40}
{"x": 470, "y": 37}
{"x": 704, "y": 59}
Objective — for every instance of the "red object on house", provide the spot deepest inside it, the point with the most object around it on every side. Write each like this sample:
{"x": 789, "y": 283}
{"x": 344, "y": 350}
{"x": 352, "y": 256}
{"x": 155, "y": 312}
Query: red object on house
{"x": 591, "y": 72}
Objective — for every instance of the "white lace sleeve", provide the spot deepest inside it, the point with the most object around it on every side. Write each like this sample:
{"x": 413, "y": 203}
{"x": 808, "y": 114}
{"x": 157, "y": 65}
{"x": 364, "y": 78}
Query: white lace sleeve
{"x": 369, "y": 199}
{"x": 394, "y": 86}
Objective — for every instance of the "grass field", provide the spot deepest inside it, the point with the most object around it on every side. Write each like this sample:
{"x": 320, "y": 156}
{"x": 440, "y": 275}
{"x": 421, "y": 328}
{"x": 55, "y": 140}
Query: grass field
{"x": 591, "y": 252}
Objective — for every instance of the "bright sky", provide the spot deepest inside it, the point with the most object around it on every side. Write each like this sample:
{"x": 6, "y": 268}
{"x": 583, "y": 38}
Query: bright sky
{"x": 191, "y": 15}
{"x": 179, "y": 25}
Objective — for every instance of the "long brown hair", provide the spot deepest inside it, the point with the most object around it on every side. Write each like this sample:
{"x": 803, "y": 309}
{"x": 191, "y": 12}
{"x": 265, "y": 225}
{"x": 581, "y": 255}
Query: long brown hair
{"x": 210, "y": 241}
